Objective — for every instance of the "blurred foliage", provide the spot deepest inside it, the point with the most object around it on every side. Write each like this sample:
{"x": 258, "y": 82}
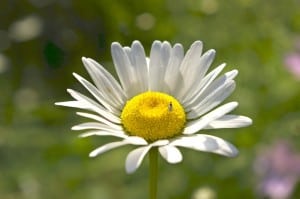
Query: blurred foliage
{"x": 41, "y": 44}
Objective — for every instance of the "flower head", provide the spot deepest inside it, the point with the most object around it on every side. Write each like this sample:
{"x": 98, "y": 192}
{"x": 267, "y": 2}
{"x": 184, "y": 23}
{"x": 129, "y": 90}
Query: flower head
{"x": 163, "y": 101}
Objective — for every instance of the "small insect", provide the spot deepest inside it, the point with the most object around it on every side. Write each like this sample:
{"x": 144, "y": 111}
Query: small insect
{"x": 170, "y": 107}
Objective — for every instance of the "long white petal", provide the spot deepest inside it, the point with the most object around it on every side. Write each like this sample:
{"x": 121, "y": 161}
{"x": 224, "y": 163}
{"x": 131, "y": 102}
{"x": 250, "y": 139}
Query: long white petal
{"x": 135, "y": 140}
{"x": 230, "y": 121}
{"x": 165, "y": 53}
{"x": 127, "y": 140}
{"x": 197, "y": 71}
{"x": 73, "y": 104}
{"x": 160, "y": 143}
{"x": 140, "y": 65}
{"x": 210, "y": 87}
{"x": 97, "y": 94}
{"x": 156, "y": 69}
{"x": 135, "y": 158}
{"x": 197, "y": 125}
{"x": 94, "y": 106}
{"x": 107, "y": 147}
{"x": 125, "y": 71}
{"x": 204, "y": 83}
{"x": 171, "y": 154}
{"x": 206, "y": 143}
{"x": 173, "y": 77}
{"x": 105, "y": 82}
{"x": 191, "y": 57}
{"x": 99, "y": 119}
{"x": 215, "y": 98}
{"x": 94, "y": 125}
{"x": 104, "y": 133}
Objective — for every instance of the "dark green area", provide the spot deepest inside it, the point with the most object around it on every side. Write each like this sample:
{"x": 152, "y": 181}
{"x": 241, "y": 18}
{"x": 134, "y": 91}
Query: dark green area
{"x": 41, "y": 158}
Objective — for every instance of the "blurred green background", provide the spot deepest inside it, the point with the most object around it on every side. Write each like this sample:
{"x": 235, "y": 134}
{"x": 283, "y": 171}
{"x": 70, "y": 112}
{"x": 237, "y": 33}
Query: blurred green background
{"x": 41, "y": 44}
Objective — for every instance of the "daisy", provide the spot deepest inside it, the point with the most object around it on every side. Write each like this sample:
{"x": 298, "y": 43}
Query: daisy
{"x": 163, "y": 102}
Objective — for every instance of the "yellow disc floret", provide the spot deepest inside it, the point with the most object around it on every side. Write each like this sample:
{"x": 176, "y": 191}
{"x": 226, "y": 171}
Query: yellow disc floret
{"x": 153, "y": 116}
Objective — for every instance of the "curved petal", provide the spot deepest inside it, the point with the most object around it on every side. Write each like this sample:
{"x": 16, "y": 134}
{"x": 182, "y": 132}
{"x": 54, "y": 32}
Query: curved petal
{"x": 197, "y": 125}
{"x": 73, "y": 104}
{"x": 165, "y": 53}
{"x": 171, "y": 154}
{"x": 124, "y": 69}
{"x": 215, "y": 98}
{"x": 196, "y": 71}
{"x": 206, "y": 143}
{"x": 204, "y": 83}
{"x": 135, "y": 158}
{"x": 191, "y": 57}
{"x": 94, "y": 125}
{"x": 104, "y": 133}
{"x": 135, "y": 140}
{"x": 105, "y": 82}
{"x": 107, "y": 147}
{"x": 159, "y": 55}
{"x": 173, "y": 77}
{"x": 160, "y": 143}
{"x": 127, "y": 140}
{"x": 211, "y": 87}
{"x": 140, "y": 64}
{"x": 97, "y": 94}
{"x": 99, "y": 119}
{"x": 230, "y": 121}
{"x": 94, "y": 106}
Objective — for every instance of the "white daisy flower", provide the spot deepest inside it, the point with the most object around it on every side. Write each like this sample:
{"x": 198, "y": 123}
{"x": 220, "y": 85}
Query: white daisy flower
{"x": 164, "y": 101}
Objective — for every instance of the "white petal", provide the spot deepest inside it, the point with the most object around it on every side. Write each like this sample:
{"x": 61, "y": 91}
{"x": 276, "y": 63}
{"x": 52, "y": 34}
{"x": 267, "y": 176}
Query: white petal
{"x": 156, "y": 70}
{"x": 104, "y": 133}
{"x": 207, "y": 143}
{"x": 105, "y": 82}
{"x": 99, "y": 119}
{"x": 190, "y": 58}
{"x": 107, "y": 147}
{"x": 94, "y": 106}
{"x": 171, "y": 154}
{"x": 73, "y": 104}
{"x": 204, "y": 83}
{"x": 165, "y": 53}
{"x": 125, "y": 71}
{"x": 196, "y": 71}
{"x": 173, "y": 77}
{"x": 135, "y": 140}
{"x": 211, "y": 87}
{"x": 97, "y": 94}
{"x": 94, "y": 125}
{"x": 127, "y": 140}
{"x": 197, "y": 125}
{"x": 140, "y": 64}
{"x": 135, "y": 158}
{"x": 160, "y": 143}
{"x": 215, "y": 98}
{"x": 230, "y": 121}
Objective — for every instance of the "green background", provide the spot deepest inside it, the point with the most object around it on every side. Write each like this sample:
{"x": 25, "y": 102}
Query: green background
{"x": 41, "y": 158}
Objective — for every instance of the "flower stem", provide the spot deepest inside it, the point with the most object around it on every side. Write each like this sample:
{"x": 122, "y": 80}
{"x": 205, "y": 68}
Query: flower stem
{"x": 153, "y": 172}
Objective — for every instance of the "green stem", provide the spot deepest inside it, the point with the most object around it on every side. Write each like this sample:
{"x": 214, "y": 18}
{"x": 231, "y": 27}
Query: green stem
{"x": 153, "y": 172}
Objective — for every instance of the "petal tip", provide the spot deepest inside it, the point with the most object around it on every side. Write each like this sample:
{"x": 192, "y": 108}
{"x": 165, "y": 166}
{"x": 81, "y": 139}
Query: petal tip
{"x": 233, "y": 153}
{"x": 115, "y": 45}
{"x": 93, "y": 154}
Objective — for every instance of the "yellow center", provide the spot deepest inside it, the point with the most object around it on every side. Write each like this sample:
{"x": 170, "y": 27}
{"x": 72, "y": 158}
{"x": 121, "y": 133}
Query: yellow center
{"x": 153, "y": 116}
